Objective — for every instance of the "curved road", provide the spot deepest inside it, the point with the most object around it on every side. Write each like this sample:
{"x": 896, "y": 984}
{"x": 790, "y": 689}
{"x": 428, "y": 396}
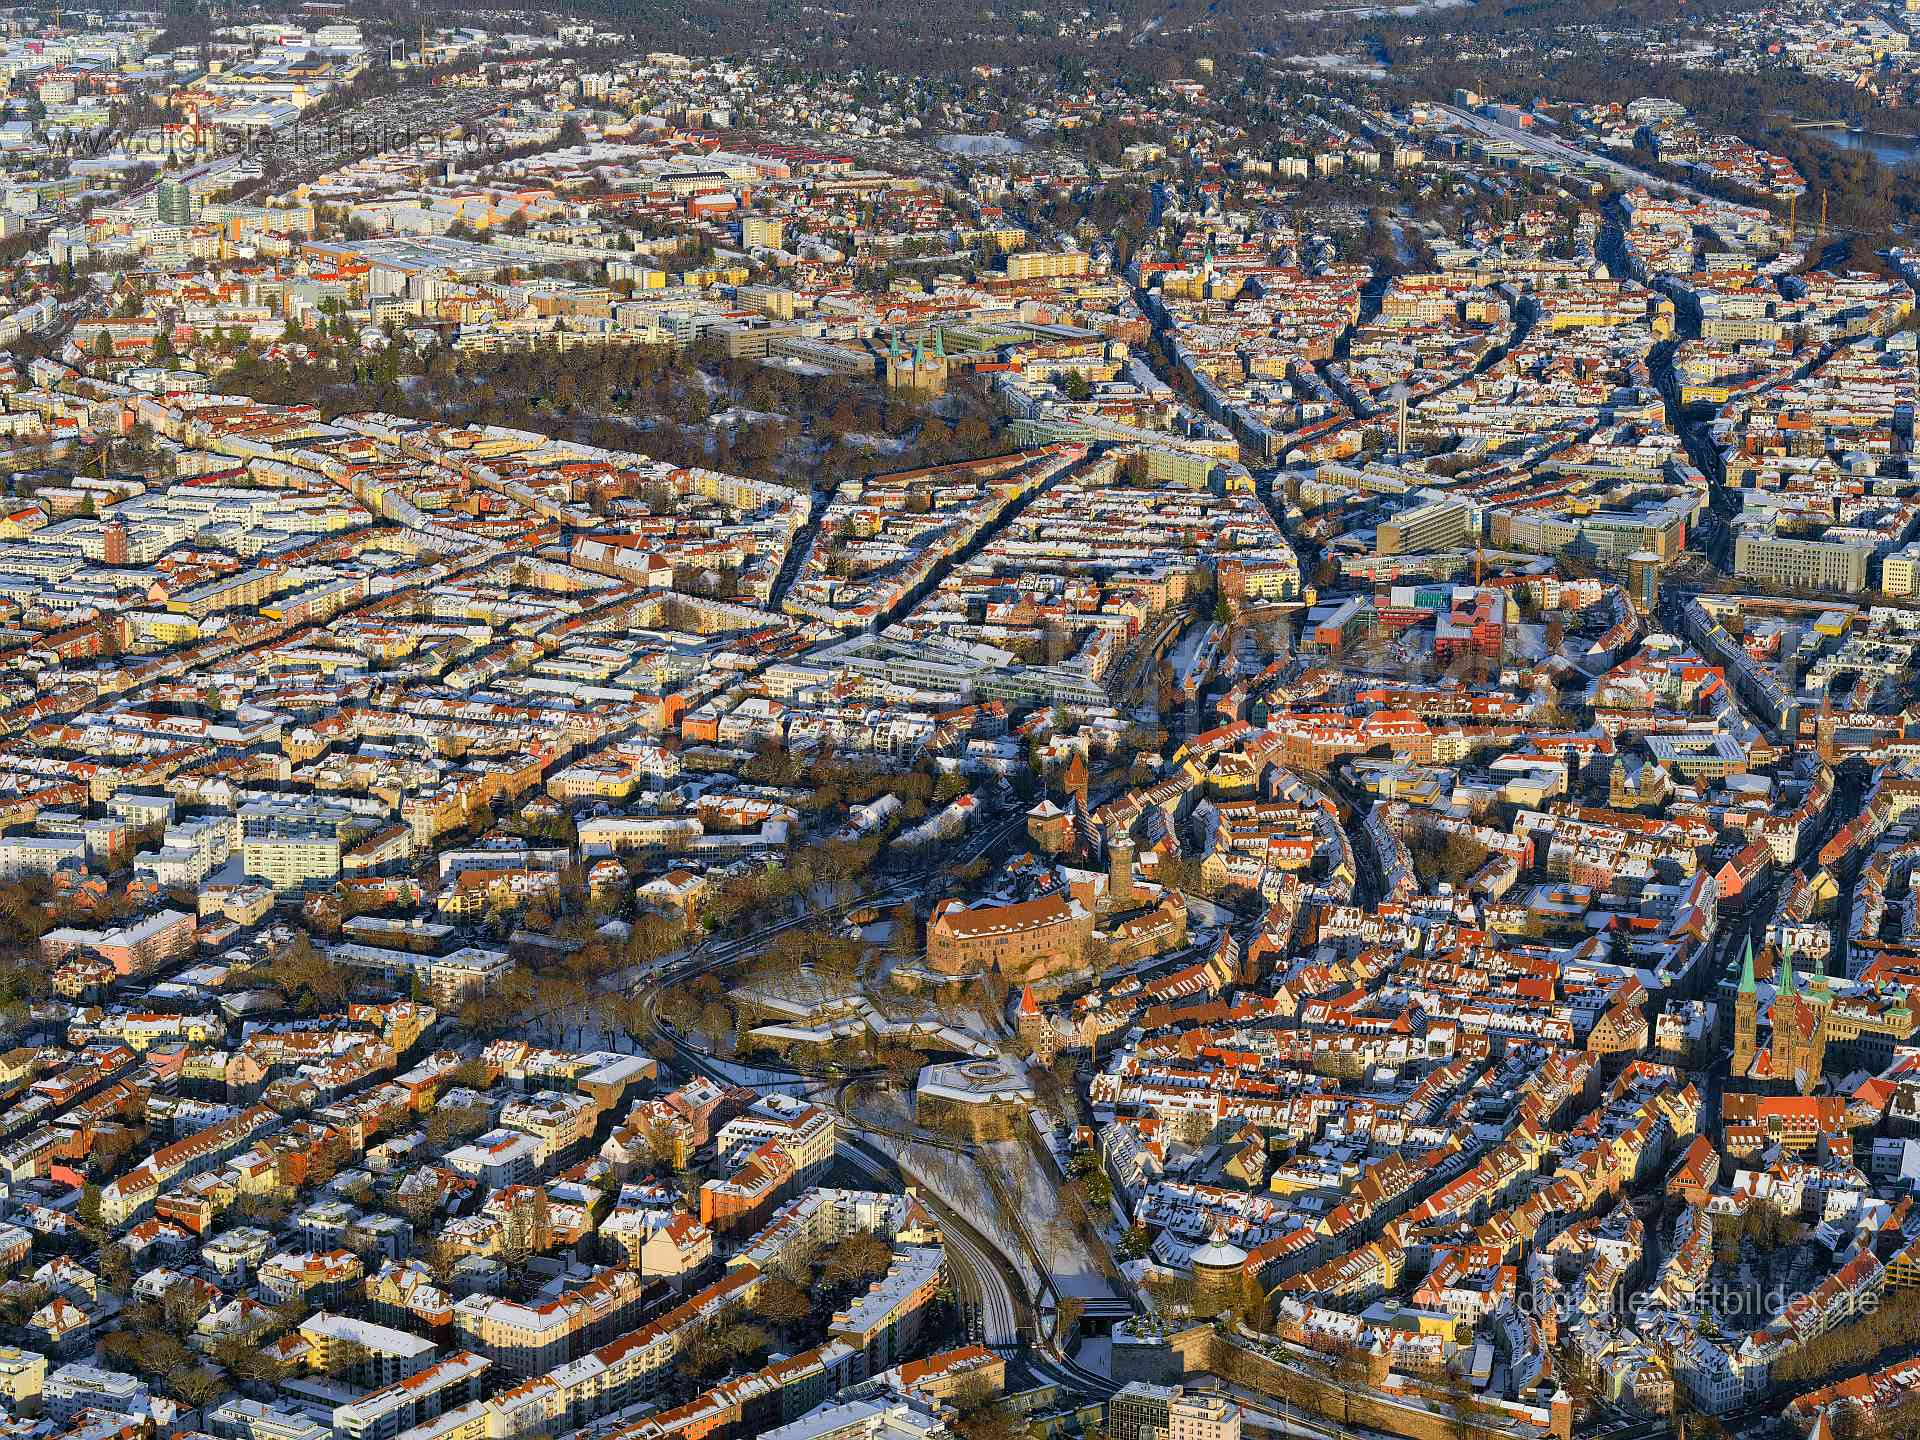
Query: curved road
{"x": 985, "y": 1277}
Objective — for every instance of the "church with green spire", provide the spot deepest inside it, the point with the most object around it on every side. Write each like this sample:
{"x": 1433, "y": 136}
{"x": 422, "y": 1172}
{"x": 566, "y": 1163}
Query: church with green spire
{"x": 923, "y": 369}
{"x": 1746, "y": 1014}
{"x": 1796, "y": 1024}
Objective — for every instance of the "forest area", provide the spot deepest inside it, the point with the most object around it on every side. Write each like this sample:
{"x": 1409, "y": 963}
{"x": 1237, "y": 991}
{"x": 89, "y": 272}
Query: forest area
{"x": 687, "y": 407}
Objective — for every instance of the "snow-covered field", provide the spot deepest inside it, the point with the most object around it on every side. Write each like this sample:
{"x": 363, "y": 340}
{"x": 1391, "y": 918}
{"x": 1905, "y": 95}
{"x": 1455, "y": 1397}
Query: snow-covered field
{"x": 1036, "y": 1193}
{"x": 957, "y": 1182}
{"x": 979, "y": 146}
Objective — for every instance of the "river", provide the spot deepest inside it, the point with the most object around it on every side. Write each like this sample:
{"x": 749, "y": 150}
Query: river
{"x": 1887, "y": 149}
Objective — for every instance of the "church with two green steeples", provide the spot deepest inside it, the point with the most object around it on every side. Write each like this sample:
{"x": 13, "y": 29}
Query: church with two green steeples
{"x": 918, "y": 369}
{"x": 1796, "y": 1024}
